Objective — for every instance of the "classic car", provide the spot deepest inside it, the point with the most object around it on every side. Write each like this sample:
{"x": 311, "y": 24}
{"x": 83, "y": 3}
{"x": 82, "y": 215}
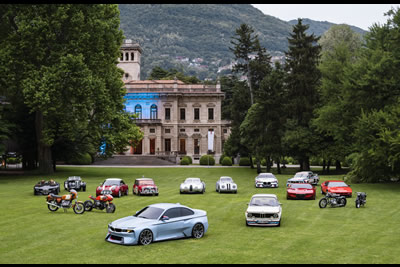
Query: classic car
{"x": 158, "y": 222}
{"x": 300, "y": 191}
{"x": 266, "y": 180}
{"x": 264, "y": 210}
{"x": 304, "y": 177}
{"x": 112, "y": 186}
{"x": 46, "y": 187}
{"x": 192, "y": 185}
{"x": 74, "y": 182}
{"x": 145, "y": 186}
{"x": 336, "y": 187}
{"x": 226, "y": 184}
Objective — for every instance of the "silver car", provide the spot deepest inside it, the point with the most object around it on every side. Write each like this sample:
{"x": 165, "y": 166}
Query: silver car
{"x": 158, "y": 222}
{"x": 266, "y": 180}
{"x": 192, "y": 185}
{"x": 226, "y": 184}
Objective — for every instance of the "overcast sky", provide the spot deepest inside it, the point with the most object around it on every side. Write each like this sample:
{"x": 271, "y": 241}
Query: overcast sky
{"x": 360, "y": 15}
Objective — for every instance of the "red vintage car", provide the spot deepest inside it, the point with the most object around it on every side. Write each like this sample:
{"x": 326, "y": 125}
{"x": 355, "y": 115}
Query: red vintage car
{"x": 145, "y": 186}
{"x": 337, "y": 187}
{"x": 112, "y": 186}
{"x": 300, "y": 191}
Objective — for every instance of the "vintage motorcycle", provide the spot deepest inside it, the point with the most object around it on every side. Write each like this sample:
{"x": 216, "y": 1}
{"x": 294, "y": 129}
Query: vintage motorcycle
{"x": 333, "y": 199}
{"x": 361, "y": 199}
{"x": 54, "y": 202}
{"x": 100, "y": 202}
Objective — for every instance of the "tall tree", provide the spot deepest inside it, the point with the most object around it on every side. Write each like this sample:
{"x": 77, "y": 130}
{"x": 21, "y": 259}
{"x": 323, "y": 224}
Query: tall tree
{"x": 245, "y": 46}
{"x": 302, "y": 81}
{"x": 340, "y": 50}
{"x": 62, "y": 60}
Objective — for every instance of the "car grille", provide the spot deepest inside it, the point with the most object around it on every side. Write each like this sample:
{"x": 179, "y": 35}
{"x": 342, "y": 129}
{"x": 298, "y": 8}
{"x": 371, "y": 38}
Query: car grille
{"x": 262, "y": 215}
{"x": 300, "y": 196}
{"x": 118, "y": 230}
{"x": 118, "y": 238}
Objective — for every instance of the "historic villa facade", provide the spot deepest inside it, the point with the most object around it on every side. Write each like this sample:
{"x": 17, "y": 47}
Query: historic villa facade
{"x": 176, "y": 118}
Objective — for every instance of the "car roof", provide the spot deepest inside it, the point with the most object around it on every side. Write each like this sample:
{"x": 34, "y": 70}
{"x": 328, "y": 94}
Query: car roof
{"x": 111, "y": 179}
{"x": 144, "y": 179}
{"x": 265, "y": 195}
{"x": 335, "y": 181}
{"x": 225, "y": 177}
{"x": 265, "y": 173}
{"x": 304, "y": 172}
{"x": 167, "y": 205}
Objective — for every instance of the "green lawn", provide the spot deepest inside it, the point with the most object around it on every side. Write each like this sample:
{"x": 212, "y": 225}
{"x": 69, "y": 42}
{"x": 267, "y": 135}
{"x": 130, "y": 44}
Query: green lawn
{"x": 30, "y": 233}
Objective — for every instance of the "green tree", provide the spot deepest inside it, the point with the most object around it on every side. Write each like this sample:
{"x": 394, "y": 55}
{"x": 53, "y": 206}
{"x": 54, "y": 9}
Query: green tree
{"x": 246, "y": 44}
{"x": 62, "y": 61}
{"x": 159, "y": 73}
{"x": 302, "y": 81}
{"x": 340, "y": 50}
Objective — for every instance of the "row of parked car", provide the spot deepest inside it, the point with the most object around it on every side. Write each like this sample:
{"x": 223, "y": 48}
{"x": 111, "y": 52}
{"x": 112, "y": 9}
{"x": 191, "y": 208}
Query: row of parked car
{"x": 170, "y": 221}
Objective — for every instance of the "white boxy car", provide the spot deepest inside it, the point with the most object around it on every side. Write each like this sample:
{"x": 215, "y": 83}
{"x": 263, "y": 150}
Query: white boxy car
{"x": 264, "y": 210}
{"x": 226, "y": 184}
{"x": 267, "y": 180}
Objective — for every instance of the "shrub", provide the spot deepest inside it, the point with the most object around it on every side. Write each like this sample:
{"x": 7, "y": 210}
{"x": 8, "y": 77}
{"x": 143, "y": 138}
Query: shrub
{"x": 207, "y": 160}
{"x": 221, "y": 158}
{"x": 13, "y": 160}
{"x": 81, "y": 159}
{"x": 226, "y": 161}
{"x": 185, "y": 161}
{"x": 245, "y": 161}
{"x": 188, "y": 158}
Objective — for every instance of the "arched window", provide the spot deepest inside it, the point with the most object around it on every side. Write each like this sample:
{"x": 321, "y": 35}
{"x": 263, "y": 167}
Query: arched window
{"x": 153, "y": 112}
{"x": 122, "y": 57}
{"x": 138, "y": 111}
{"x": 132, "y": 56}
{"x": 127, "y": 56}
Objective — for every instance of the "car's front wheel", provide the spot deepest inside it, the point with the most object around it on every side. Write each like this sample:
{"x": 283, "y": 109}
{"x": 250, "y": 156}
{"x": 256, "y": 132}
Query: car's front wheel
{"x": 145, "y": 237}
{"x": 198, "y": 230}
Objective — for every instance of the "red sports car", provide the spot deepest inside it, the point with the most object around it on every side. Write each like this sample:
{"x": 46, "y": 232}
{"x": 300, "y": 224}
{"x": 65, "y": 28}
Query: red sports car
{"x": 145, "y": 186}
{"x": 337, "y": 187}
{"x": 300, "y": 191}
{"x": 112, "y": 186}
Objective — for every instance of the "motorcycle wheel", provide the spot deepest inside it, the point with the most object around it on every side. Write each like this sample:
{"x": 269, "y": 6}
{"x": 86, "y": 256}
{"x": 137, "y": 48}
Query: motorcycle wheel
{"x": 51, "y": 207}
{"x": 323, "y": 203}
{"x": 343, "y": 202}
{"x": 79, "y": 208}
{"x": 88, "y": 205}
{"x": 358, "y": 204}
{"x": 110, "y": 208}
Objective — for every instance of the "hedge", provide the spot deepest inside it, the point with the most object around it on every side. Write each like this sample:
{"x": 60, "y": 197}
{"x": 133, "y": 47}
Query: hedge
{"x": 207, "y": 160}
{"x": 82, "y": 159}
{"x": 245, "y": 161}
{"x": 226, "y": 161}
{"x": 185, "y": 161}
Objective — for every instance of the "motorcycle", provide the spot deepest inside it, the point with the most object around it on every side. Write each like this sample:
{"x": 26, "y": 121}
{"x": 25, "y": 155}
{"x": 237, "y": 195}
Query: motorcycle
{"x": 54, "y": 202}
{"x": 333, "y": 199}
{"x": 100, "y": 202}
{"x": 361, "y": 199}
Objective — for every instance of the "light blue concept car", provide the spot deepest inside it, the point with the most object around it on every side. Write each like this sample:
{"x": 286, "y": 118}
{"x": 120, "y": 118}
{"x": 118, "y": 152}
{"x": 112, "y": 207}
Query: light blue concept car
{"x": 158, "y": 222}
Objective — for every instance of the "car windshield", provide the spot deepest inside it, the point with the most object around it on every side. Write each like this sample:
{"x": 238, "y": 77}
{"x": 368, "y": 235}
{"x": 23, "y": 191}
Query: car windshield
{"x": 193, "y": 180}
{"x": 226, "y": 180}
{"x": 306, "y": 186}
{"x": 336, "y": 184}
{"x": 301, "y": 174}
{"x": 111, "y": 182}
{"x": 266, "y": 175}
{"x": 149, "y": 213}
{"x": 74, "y": 178}
{"x": 151, "y": 182}
{"x": 264, "y": 201}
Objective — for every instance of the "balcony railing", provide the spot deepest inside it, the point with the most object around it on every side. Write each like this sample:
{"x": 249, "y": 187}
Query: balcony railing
{"x": 147, "y": 121}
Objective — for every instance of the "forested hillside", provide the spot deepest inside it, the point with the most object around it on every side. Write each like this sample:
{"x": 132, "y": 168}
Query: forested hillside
{"x": 196, "y": 38}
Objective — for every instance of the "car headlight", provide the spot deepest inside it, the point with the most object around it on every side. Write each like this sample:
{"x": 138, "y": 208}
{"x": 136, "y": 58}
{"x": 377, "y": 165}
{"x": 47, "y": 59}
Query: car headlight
{"x": 249, "y": 215}
{"x": 276, "y": 215}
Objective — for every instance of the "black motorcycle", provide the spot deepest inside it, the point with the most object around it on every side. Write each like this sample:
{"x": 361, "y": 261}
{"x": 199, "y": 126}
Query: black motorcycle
{"x": 333, "y": 199}
{"x": 361, "y": 199}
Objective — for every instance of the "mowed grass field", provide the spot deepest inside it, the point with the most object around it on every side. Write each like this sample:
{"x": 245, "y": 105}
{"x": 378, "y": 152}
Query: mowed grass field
{"x": 30, "y": 233}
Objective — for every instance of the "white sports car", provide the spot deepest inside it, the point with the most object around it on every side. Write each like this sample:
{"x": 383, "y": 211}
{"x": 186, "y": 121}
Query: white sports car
{"x": 266, "y": 180}
{"x": 192, "y": 185}
{"x": 225, "y": 184}
{"x": 264, "y": 210}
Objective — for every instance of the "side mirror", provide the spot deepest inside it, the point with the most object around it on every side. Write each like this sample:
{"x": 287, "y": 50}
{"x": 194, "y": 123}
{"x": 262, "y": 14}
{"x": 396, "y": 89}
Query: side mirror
{"x": 164, "y": 218}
